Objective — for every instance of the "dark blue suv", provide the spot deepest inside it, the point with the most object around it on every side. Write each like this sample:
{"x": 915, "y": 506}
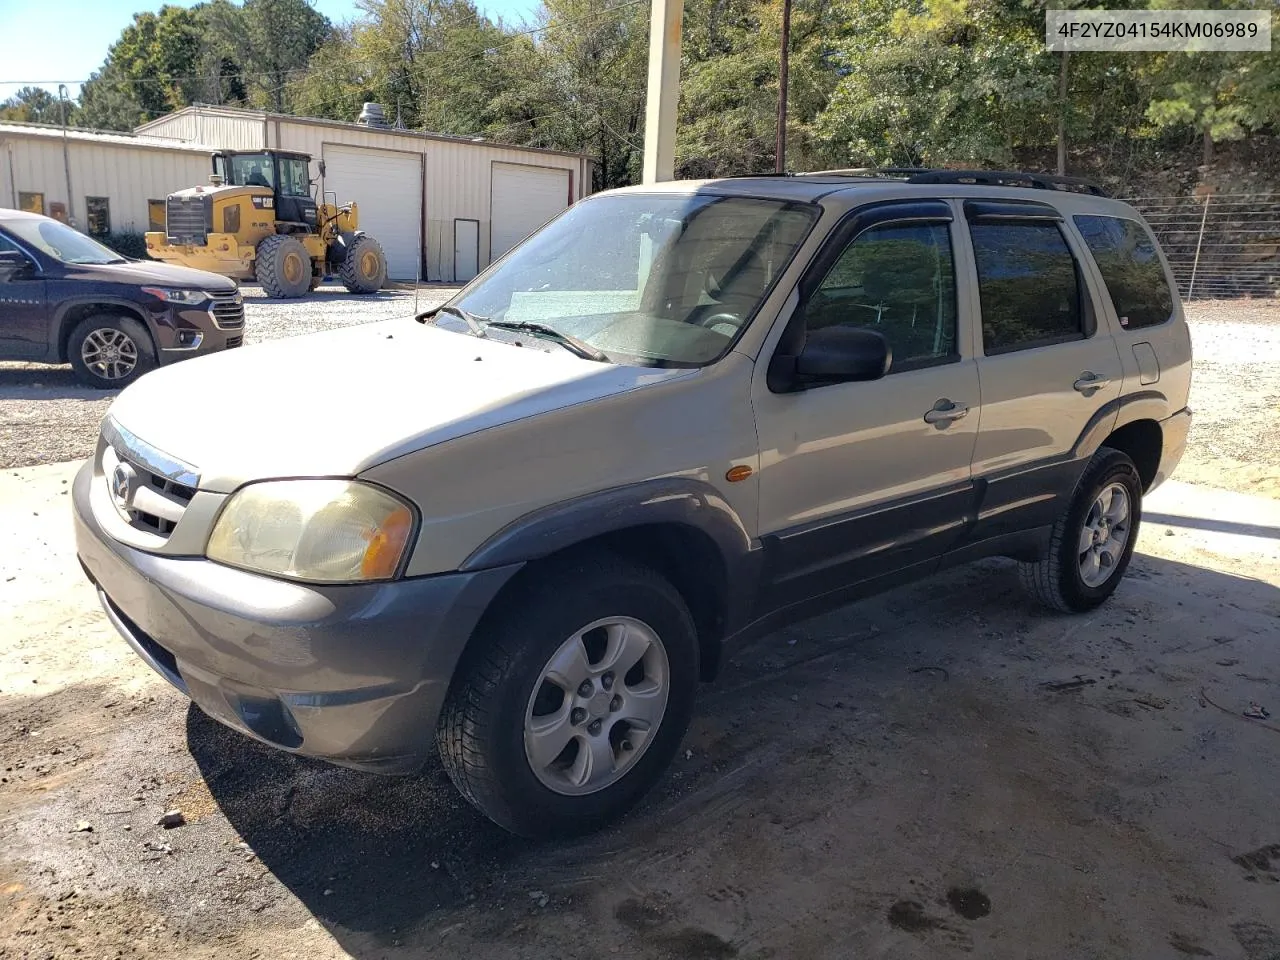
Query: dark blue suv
{"x": 65, "y": 298}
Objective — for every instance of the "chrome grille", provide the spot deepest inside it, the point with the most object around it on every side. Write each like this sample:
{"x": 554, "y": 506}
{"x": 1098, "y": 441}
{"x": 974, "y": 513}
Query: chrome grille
{"x": 150, "y": 490}
{"x": 188, "y": 219}
{"x": 227, "y": 310}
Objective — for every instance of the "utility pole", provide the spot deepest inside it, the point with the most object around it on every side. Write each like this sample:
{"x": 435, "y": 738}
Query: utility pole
{"x": 666, "y": 18}
{"x": 780, "y": 164}
{"x": 66, "y": 154}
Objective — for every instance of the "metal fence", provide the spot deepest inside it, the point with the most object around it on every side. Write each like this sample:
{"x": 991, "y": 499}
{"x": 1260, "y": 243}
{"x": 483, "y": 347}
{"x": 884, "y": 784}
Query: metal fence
{"x": 1220, "y": 245}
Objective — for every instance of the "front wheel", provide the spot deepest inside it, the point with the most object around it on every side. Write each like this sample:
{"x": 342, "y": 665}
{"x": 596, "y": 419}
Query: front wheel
{"x": 1092, "y": 542}
{"x": 569, "y": 707}
{"x": 108, "y": 351}
{"x": 365, "y": 268}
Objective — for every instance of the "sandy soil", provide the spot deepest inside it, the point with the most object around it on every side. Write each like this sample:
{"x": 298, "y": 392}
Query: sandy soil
{"x": 944, "y": 771}
{"x": 1235, "y": 394}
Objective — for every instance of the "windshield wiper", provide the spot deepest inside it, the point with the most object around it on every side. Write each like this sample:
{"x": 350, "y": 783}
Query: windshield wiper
{"x": 566, "y": 340}
{"x": 471, "y": 319}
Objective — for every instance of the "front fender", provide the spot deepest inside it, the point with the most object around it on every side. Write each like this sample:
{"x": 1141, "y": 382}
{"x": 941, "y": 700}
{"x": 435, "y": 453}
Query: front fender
{"x": 678, "y": 501}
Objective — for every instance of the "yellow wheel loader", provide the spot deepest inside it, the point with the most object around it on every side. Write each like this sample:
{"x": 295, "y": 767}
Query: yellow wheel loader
{"x": 257, "y": 220}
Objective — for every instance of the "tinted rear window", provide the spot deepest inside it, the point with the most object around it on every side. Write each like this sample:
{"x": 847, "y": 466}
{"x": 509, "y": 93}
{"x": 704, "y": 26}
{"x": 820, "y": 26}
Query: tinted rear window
{"x": 1028, "y": 286}
{"x": 1127, "y": 259}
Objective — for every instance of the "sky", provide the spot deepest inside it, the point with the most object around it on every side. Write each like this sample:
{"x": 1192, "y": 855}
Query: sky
{"x": 40, "y": 47}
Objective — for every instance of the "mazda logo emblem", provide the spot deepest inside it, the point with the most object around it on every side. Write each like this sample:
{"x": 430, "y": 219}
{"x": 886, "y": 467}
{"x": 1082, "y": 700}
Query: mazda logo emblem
{"x": 122, "y": 480}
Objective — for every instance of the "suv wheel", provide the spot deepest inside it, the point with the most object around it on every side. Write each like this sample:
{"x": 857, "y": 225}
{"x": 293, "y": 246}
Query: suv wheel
{"x": 1093, "y": 540}
{"x": 569, "y": 707}
{"x": 109, "y": 351}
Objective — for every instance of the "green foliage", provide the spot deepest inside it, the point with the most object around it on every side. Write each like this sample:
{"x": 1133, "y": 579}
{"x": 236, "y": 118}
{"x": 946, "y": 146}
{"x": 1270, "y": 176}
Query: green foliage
{"x": 872, "y": 82}
{"x": 127, "y": 243}
{"x": 36, "y": 105}
{"x": 214, "y": 52}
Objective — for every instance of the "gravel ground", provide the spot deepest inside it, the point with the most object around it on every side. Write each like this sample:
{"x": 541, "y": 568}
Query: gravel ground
{"x": 1235, "y": 441}
{"x": 47, "y": 417}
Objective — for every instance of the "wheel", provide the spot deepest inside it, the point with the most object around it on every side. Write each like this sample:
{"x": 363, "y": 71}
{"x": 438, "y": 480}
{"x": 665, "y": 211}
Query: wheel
{"x": 108, "y": 351}
{"x": 365, "y": 268}
{"x": 1093, "y": 540}
{"x": 569, "y": 706}
{"x": 283, "y": 267}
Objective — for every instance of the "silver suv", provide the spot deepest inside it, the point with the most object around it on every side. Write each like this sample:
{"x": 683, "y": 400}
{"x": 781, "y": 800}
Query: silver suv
{"x": 528, "y": 522}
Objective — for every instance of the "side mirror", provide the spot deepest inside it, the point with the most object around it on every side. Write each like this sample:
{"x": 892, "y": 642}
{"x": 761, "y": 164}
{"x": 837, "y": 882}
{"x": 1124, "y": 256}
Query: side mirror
{"x": 14, "y": 266}
{"x": 320, "y": 167}
{"x": 831, "y": 355}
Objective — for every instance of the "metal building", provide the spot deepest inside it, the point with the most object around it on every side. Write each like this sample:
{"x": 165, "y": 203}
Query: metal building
{"x": 113, "y": 177}
{"x": 442, "y": 207}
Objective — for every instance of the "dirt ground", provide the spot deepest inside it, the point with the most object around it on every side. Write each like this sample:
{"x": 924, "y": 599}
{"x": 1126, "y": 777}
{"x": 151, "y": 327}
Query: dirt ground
{"x": 943, "y": 771}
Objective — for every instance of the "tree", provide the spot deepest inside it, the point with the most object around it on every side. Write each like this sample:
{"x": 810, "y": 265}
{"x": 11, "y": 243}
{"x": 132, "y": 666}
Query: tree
{"x": 279, "y": 37}
{"x": 35, "y": 105}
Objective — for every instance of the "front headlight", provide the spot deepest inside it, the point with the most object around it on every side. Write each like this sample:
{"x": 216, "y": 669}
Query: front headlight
{"x": 170, "y": 295}
{"x": 325, "y": 531}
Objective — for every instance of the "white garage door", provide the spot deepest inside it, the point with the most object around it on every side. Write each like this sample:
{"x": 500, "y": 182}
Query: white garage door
{"x": 524, "y": 198}
{"x": 387, "y": 187}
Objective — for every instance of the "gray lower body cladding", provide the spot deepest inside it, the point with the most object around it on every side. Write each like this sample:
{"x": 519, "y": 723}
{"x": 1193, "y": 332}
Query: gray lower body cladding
{"x": 352, "y": 673}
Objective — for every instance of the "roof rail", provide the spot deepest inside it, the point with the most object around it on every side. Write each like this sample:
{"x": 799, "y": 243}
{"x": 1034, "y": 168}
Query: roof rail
{"x": 988, "y": 178}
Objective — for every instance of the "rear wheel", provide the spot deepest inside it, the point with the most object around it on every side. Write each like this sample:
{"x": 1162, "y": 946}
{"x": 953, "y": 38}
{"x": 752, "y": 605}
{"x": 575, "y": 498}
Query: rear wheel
{"x": 1092, "y": 542}
{"x": 569, "y": 707}
{"x": 365, "y": 268}
{"x": 283, "y": 267}
{"x": 108, "y": 351}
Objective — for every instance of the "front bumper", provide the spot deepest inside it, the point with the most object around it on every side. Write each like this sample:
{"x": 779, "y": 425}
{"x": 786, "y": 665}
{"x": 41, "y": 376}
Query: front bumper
{"x": 354, "y": 674}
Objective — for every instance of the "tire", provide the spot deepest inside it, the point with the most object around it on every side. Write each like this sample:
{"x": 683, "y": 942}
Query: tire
{"x": 499, "y": 688}
{"x": 283, "y": 267}
{"x": 1058, "y": 578}
{"x": 108, "y": 351}
{"x": 364, "y": 269}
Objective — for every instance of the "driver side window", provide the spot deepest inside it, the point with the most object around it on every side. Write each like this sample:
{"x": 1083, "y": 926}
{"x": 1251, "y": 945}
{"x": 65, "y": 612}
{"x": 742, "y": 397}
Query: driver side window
{"x": 899, "y": 280}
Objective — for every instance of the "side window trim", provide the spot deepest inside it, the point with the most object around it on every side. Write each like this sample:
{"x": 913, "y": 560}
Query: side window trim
{"x": 855, "y": 223}
{"x": 978, "y": 212}
{"x": 1105, "y": 298}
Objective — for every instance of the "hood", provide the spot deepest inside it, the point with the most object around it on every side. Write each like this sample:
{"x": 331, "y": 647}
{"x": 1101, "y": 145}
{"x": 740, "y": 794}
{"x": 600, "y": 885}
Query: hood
{"x": 337, "y": 403}
{"x": 223, "y": 190}
{"x": 149, "y": 271}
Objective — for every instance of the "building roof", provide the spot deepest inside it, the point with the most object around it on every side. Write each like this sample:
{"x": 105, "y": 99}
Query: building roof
{"x": 84, "y": 135}
{"x": 206, "y": 109}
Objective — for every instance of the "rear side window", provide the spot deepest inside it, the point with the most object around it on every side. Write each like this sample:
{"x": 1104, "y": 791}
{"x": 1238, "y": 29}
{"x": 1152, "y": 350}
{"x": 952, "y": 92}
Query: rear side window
{"x": 1028, "y": 285}
{"x": 1127, "y": 259}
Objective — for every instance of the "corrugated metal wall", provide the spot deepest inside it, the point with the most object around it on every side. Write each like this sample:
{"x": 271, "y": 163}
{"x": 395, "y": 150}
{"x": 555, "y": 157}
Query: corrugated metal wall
{"x": 458, "y": 173}
{"x": 197, "y": 125}
{"x": 458, "y": 178}
{"x": 127, "y": 176}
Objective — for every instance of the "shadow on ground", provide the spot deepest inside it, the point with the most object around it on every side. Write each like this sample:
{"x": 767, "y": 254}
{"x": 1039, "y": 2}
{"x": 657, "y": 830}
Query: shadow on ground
{"x": 52, "y": 382}
{"x": 844, "y": 773}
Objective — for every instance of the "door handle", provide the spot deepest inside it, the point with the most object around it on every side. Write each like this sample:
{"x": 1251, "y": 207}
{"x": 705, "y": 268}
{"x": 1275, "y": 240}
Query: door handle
{"x": 945, "y": 411}
{"x": 1090, "y": 381}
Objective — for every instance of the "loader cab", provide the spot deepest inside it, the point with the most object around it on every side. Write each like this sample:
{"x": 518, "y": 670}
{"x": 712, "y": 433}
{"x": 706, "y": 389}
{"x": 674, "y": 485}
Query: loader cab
{"x": 286, "y": 175}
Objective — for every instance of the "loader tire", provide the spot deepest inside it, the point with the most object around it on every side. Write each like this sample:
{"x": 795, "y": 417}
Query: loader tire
{"x": 283, "y": 267}
{"x": 364, "y": 269}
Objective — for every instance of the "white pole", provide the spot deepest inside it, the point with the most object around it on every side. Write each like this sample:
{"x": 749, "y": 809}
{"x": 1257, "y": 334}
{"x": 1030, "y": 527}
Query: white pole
{"x": 1195, "y": 266}
{"x": 666, "y": 18}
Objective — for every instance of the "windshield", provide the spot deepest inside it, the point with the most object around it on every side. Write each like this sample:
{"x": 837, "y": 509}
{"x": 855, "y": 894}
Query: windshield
{"x": 653, "y": 279}
{"x": 252, "y": 170}
{"x": 61, "y": 242}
